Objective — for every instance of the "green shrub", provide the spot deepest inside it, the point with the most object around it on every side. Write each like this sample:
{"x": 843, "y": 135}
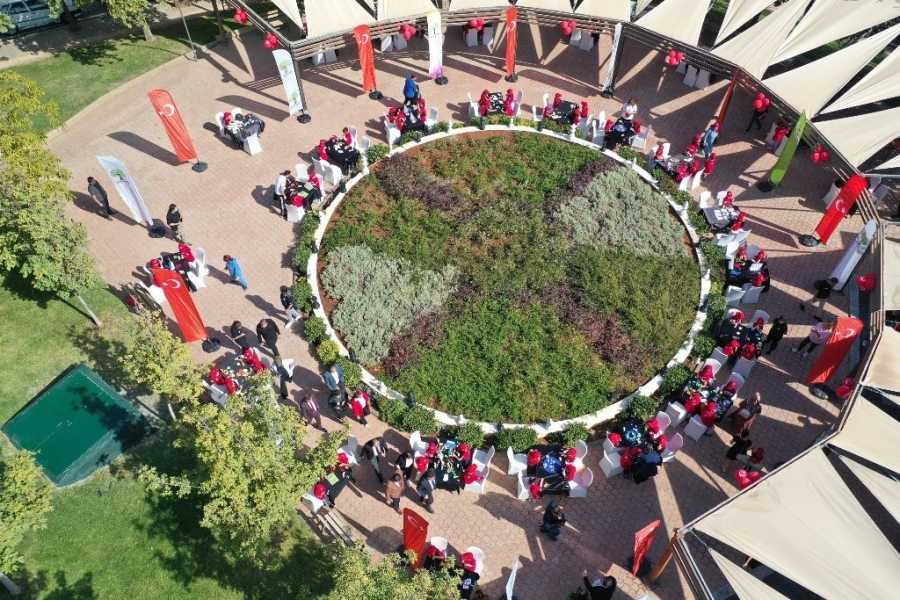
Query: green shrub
{"x": 674, "y": 380}
{"x": 314, "y": 328}
{"x": 328, "y": 351}
{"x": 520, "y": 438}
{"x": 665, "y": 182}
{"x": 683, "y": 198}
{"x": 715, "y": 261}
{"x": 409, "y": 136}
{"x": 300, "y": 257}
{"x": 716, "y": 310}
{"x": 699, "y": 222}
{"x": 630, "y": 154}
{"x": 573, "y": 433}
{"x": 419, "y": 418}
{"x": 352, "y": 371}
{"x": 440, "y": 127}
{"x": 308, "y": 227}
{"x": 469, "y": 432}
{"x": 703, "y": 345}
{"x": 640, "y": 407}
{"x": 303, "y": 295}
{"x": 377, "y": 152}
{"x": 392, "y": 412}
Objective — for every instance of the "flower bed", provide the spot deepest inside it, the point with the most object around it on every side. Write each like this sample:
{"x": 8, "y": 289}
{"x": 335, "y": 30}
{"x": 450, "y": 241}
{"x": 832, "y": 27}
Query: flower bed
{"x": 529, "y": 277}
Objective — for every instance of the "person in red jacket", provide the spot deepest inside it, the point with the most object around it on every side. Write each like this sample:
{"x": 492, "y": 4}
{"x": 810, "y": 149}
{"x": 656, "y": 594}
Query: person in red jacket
{"x": 780, "y": 131}
{"x": 323, "y": 154}
{"x": 556, "y": 100}
{"x": 360, "y": 406}
{"x": 534, "y": 459}
{"x": 709, "y": 166}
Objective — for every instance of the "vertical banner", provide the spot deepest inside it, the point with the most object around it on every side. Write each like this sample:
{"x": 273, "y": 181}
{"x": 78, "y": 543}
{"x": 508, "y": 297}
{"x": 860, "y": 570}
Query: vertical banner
{"x": 511, "y": 581}
{"x": 512, "y": 36}
{"x": 182, "y": 304}
{"x": 787, "y": 154}
{"x": 435, "y": 45}
{"x": 121, "y": 178}
{"x": 288, "y": 79}
{"x": 366, "y": 60}
{"x": 721, "y": 118}
{"x": 836, "y": 348}
{"x": 415, "y": 532}
{"x": 171, "y": 120}
{"x": 840, "y": 207}
{"x": 610, "y": 72}
{"x": 854, "y": 253}
{"x": 642, "y": 541}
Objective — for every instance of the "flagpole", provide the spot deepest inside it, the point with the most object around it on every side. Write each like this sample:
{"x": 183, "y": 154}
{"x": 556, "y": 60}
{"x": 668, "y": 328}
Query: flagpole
{"x": 190, "y": 41}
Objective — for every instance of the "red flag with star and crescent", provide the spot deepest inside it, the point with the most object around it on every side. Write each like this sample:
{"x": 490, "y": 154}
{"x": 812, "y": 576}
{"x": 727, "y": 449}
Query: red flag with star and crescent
{"x": 366, "y": 58}
{"x": 512, "y": 35}
{"x": 171, "y": 120}
{"x": 192, "y": 327}
{"x": 841, "y": 206}
{"x": 836, "y": 348}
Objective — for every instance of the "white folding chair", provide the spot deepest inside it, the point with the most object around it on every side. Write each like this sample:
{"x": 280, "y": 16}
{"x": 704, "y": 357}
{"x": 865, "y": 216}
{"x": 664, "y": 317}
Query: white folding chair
{"x": 758, "y": 314}
{"x": 751, "y": 294}
{"x": 472, "y": 37}
{"x": 585, "y": 125}
{"x": 718, "y": 355}
{"x": 200, "y": 256}
{"x": 440, "y": 543}
{"x": 743, "y": 367}
{"x": 155, "y": 291}
{"x": 738, "y": 380}
{"x": 534, "y": 115}
{"x": 581, "y": 450}
{"x": 741, "y": 236}
{"x": 720, "y": 197}
{"x": 366, "y": 142}
{"x": 681, "y": 68}
{"x": 350, "y": 449}
{"x": 599, "y": 135}
{"x": 482, "y": 458}
{"x": 611, "y": 464}
{"x": 546, "y": 99}
{"x": 393, "y": 133}
{"x": 731, "y": 250}
{"x": 399, "y": 42}
{"x": 695, "y": 428}
{"x": 236, "y": 111}
{"x": 711, "y": 362}
{"x": 519, "y": 96}
{"x": 517, "y": 462}
{"x": 416, "y": 444}
{"x": 302, "y": 172}
{"x": 677, "y": 413}
{"x": 353, "y": 137}
{"x": 198, "y": 281}
{"x": 387, "y": 44}
{"x": 522, "y": 491}
{"x": 771, "y": 135}
{"x": 696, "y": 179}
{"x": 703, "y": 202}
{"x": 251, "y": 145}
{"x": 684, "y": 184}
{"x": 578, "y": 487}
{"x": 295, "y": 213}
{"x": 330, "y": 56}
{"x": 752, "y": 249}
{"x": 478, "y": 487}
{"x": 575, "y": 37}
{"x": 487, "y": 35}
{"x": 432, "y": 117}
{"x": 478, "y": 553}
{"x": 220, "y": 121}
{"x": 733, "y": 295}
{"x": 702, "y": 80}
{"x": 672, "y": 448}
{"x": 640, "y": 140}
{"x": 781, "y": 146}
{"x": 587, "y": 41}
{"x": 690, "y": 78}
{"x": 311, "y": 502}
{"x": 608, "y": 446}
{"x": 664, "y": 421}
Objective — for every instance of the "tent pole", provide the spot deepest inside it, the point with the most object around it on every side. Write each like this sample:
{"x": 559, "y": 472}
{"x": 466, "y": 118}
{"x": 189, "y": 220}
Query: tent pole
{"x": 665, "y": 559}
{"x": 222, "y": 37}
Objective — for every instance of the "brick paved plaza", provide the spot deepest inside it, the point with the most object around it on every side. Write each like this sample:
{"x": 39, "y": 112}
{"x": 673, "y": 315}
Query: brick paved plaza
{"x": 228, "y": 209}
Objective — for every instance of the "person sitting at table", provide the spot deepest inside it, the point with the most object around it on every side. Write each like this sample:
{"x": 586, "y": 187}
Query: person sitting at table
{"x": 323, "y": 153}
{"x": 548, "y": 111}
{"x": 557, "y": 99}
{"x": 576, "y": 116}
{"x": 360, "y": 406}
{"x": 533, "y": 459}
{"x": 756, "y": 336}
{"x": 693, "y": 403}
{"x": 729, "y": 389}
{"x": 739, "y": 222}
{"x": 645, "y": 466}
{"x": 706, "y": 374}
{"x": 215, "y": 376}
{"x": 314, "y": 179}
{"x": 691, "y": 150}
{"x": 509, "y": 108}
{"x": 470, "y": 475}
{"x": 695, "y": 167}
{"x": 186, "y": 252}
{"x": 750, "y": 351}
{"x": 629, "y": 109}
{"x": 348, "y": 139}
{"x": 681, "y": 173}
{"x": 463, "y": 454}
{"x": 510, "y": 97}
{"x": 780, "y": 131}
{"x": 423, "y": 113}
{"x": 392, "y": 115}
{"x": 584, "y": 109}
{"x": 627, "y": 459}
{"x": 760, "y": 257}
{"x": 732, "y": 350}
{"x": 708, "y": 417}
{"x": 730, "y": 329}
{"x": 321, "y": 492}
{"x": 661, "y": 442}
{"x": 709, "y": 166}
{"x": 740, "y": 258}
{"x": 728, "y": 200}
{"x": 250, "y": 356}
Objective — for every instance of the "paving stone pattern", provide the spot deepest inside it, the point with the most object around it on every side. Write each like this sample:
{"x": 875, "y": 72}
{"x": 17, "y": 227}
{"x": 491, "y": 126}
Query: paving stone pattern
{"x": 228, "y": 209}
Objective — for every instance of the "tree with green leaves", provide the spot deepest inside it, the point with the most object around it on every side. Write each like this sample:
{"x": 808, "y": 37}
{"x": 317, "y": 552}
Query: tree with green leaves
{"x": 250, "y": 469}
{"x": 24, "y": 503}
{"x": 131, "y": 13}
{"x": 358, "y": 577}
{"x": 6, "y": 23}
{"x": 37, "y": 238}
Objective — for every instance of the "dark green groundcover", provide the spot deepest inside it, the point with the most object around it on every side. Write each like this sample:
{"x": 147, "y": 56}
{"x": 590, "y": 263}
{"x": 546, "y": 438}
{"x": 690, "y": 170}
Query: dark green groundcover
{"x": 76, "y": 426}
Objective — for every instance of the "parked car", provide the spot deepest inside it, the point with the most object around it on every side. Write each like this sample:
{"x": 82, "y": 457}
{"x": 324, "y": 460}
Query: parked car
{"x": 28, "y": 14}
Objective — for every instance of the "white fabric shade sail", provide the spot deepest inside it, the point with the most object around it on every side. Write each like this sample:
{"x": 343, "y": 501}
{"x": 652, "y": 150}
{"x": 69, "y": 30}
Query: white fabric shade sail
{"x": 753, "y": 49}
{"x": 867, "y": 432}
{"x": 830, "y": 20}
{"x": 466, "y": 4}
{"x": 400, "y": 9}
{"x": 291, "y": 10}
{"x": 738, "y": 13}
{"x": 606, "y": 9}
{"x": 330, "y": 16}
{"x": 885, "y": 489}
{"x": 680, "y": 20}
{"x": 883, "y": 373}
{"x": 816, "y": 532}
{"x": 858, "y": 138}
{"x": 557, "y": 5}
{"x": 809, "y": 87}
{"x": 745, "y": 585}
{"x": 880, "y": 83}
{"x": 641, "y": 5}
{"x": 894, "y": 163}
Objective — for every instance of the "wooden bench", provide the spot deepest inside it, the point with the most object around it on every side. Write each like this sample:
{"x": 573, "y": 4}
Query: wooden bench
{"x": 332, "y": 523}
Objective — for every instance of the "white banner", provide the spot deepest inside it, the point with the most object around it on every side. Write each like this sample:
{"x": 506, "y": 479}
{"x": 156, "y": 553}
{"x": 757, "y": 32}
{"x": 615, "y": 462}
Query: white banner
{"x": 854, "y": 253}
{"x": 612, "y": 57}
{"x": 512, "y": 581}
{"x": 288, "y": 79}
{"x": 435, "y": 44}
{"x": 121, "y": 178}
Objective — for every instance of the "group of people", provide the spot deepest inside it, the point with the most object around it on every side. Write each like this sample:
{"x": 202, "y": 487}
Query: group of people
{"x": 496, "y": 103}
{"x": 737, "y": 339}
{"x": 563, "y": 111}
{"x": 644, "y": 444}
{"x": 340, "y": 151}
{"x": 299, "y": 191}
{"x": 239, "y": 127}
{"x": 409, "y": 117}
{"x": 550, "y": 468}
{"x": 688, "y": 164}
{"x": 180, "y": 262}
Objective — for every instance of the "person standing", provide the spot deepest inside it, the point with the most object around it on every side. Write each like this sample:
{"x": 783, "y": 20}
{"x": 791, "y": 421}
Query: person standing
{"x": 393, "y": 492}
{"x": 746, "y": 415}
{"x": 373, "y": 451}
{"x": 820, "y": 296}
{"x": 176, "y": 223}
{"x": 410, "y": 90}
{"x": 234, "y": 270}
{"x": 817, "y": 335}
{"x": 709, "y": 139}
{"x": 287, "y": 301}
{"x": 629, "y": 110}
{"x": 99, "y": 195}
{"x": 739, "y": 446}
{"x": 280, "y": 185}
{"x": 267, "y": 332}
{"x": 239, "y": 336}
{"x": 757, "y": 117}
{"x": 777, "y": 331}
{"x": 406, "y": 462}
{"x": 426, "y": 487}
{"x": 602, "y": 588}
{"x": 334, "y": 378}
{"x": 553, "y": 521}
{"x": 359, "y": 404}
{"x": 309, "y": 409}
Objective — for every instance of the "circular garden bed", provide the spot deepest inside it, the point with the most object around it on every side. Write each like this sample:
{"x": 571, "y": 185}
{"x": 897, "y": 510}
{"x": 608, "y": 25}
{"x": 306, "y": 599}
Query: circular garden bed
{"x": 508, "y": 276}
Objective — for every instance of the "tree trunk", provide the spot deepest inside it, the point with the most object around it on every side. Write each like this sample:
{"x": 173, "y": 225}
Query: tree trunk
{"x": 171, "y": 411}
{"x": 69, "y": 18}
{"x": 90, "y": 313}
{"x": 148, "y": 35}
{"x": 10, "y": 585}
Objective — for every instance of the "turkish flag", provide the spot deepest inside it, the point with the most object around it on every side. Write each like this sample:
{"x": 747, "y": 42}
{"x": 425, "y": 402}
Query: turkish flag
{"x": 840, "y": 207}
{"x": 171, "y": 120}
{"x": 721, "y": 118}
{"x": 366, "y": 60}
{"x": 415, "y": 531}
{"x": 836, "y": 348}
{"x": 192, "y": 327}
{"x": 642, "y": 541}
{"x": 512, "y": 35}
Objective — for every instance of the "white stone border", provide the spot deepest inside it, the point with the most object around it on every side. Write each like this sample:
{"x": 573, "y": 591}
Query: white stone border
{"x": 589, "y": 420}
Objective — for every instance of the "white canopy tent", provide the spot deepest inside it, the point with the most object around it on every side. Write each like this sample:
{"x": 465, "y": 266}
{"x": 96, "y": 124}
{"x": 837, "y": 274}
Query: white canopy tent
{"x": 858, "y": 138}
{"x": 745, "y": 585}
{"x": 738, "y": 13}
{"x": 880, "y": 83}
{"x": 809, "y": 87}
{"x": 817, "y": 533}
{"x": 400, "y": 9}
{"x": 680, "y": 20}
{"x": 753, "y": 49}
{"x": 883, "y": 373}
{"x": 830, "y": 20}
{"x": 866, "y": 432}
{"x": 885, "y": 489}
{"x": 606, "y": 9}
{"x": 468, "y": 4}
{"x": 641, "y": 5}
{"x": 557, "y": 5}
{"x": 894, "y": 163}
{"x": 291, "y": 10}
{"x": 330, "y": 16}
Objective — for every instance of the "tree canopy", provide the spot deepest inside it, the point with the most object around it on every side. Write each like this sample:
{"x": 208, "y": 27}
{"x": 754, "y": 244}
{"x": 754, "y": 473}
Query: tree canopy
{"x": 24, "y": 503}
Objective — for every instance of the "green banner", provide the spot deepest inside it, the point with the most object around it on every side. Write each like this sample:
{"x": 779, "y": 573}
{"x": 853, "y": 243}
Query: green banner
{"x": 787, "y": 154}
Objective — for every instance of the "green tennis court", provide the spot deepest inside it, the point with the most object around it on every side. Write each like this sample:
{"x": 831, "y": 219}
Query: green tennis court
{"x": 76, "y": 426}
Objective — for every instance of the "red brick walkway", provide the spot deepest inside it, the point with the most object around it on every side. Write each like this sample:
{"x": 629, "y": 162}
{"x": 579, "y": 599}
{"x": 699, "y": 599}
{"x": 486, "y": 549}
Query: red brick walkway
{"x": 228, "y": 209}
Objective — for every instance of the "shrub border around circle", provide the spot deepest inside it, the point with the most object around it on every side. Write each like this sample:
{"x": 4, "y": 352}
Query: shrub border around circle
{"x": 590, "y": 419}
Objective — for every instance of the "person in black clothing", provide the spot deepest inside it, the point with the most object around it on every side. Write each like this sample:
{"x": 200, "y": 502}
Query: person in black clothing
{"x": 757, "y": 118}
{"x": 176, "y": 223}
{"x": 267, "y": 332}
{"x": 739, "y": 445}
{"x": 776, "y": 332}
{"x": 406, "y": 462}
{"x": 645, "y": 466}
{"x": 553, "y": 520}
{"x": 601, "y": 589}
{"x": 730, "y": 329}
{"x": 820, "y": 296}
{"x": 425, "y": 489}
{"x": 239, "y": 335}
{"x": 372, "y": 451}
{"x": 287, "y": 301}
{"x": 99, "y": 195}
{"x": 467, "y": 582}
